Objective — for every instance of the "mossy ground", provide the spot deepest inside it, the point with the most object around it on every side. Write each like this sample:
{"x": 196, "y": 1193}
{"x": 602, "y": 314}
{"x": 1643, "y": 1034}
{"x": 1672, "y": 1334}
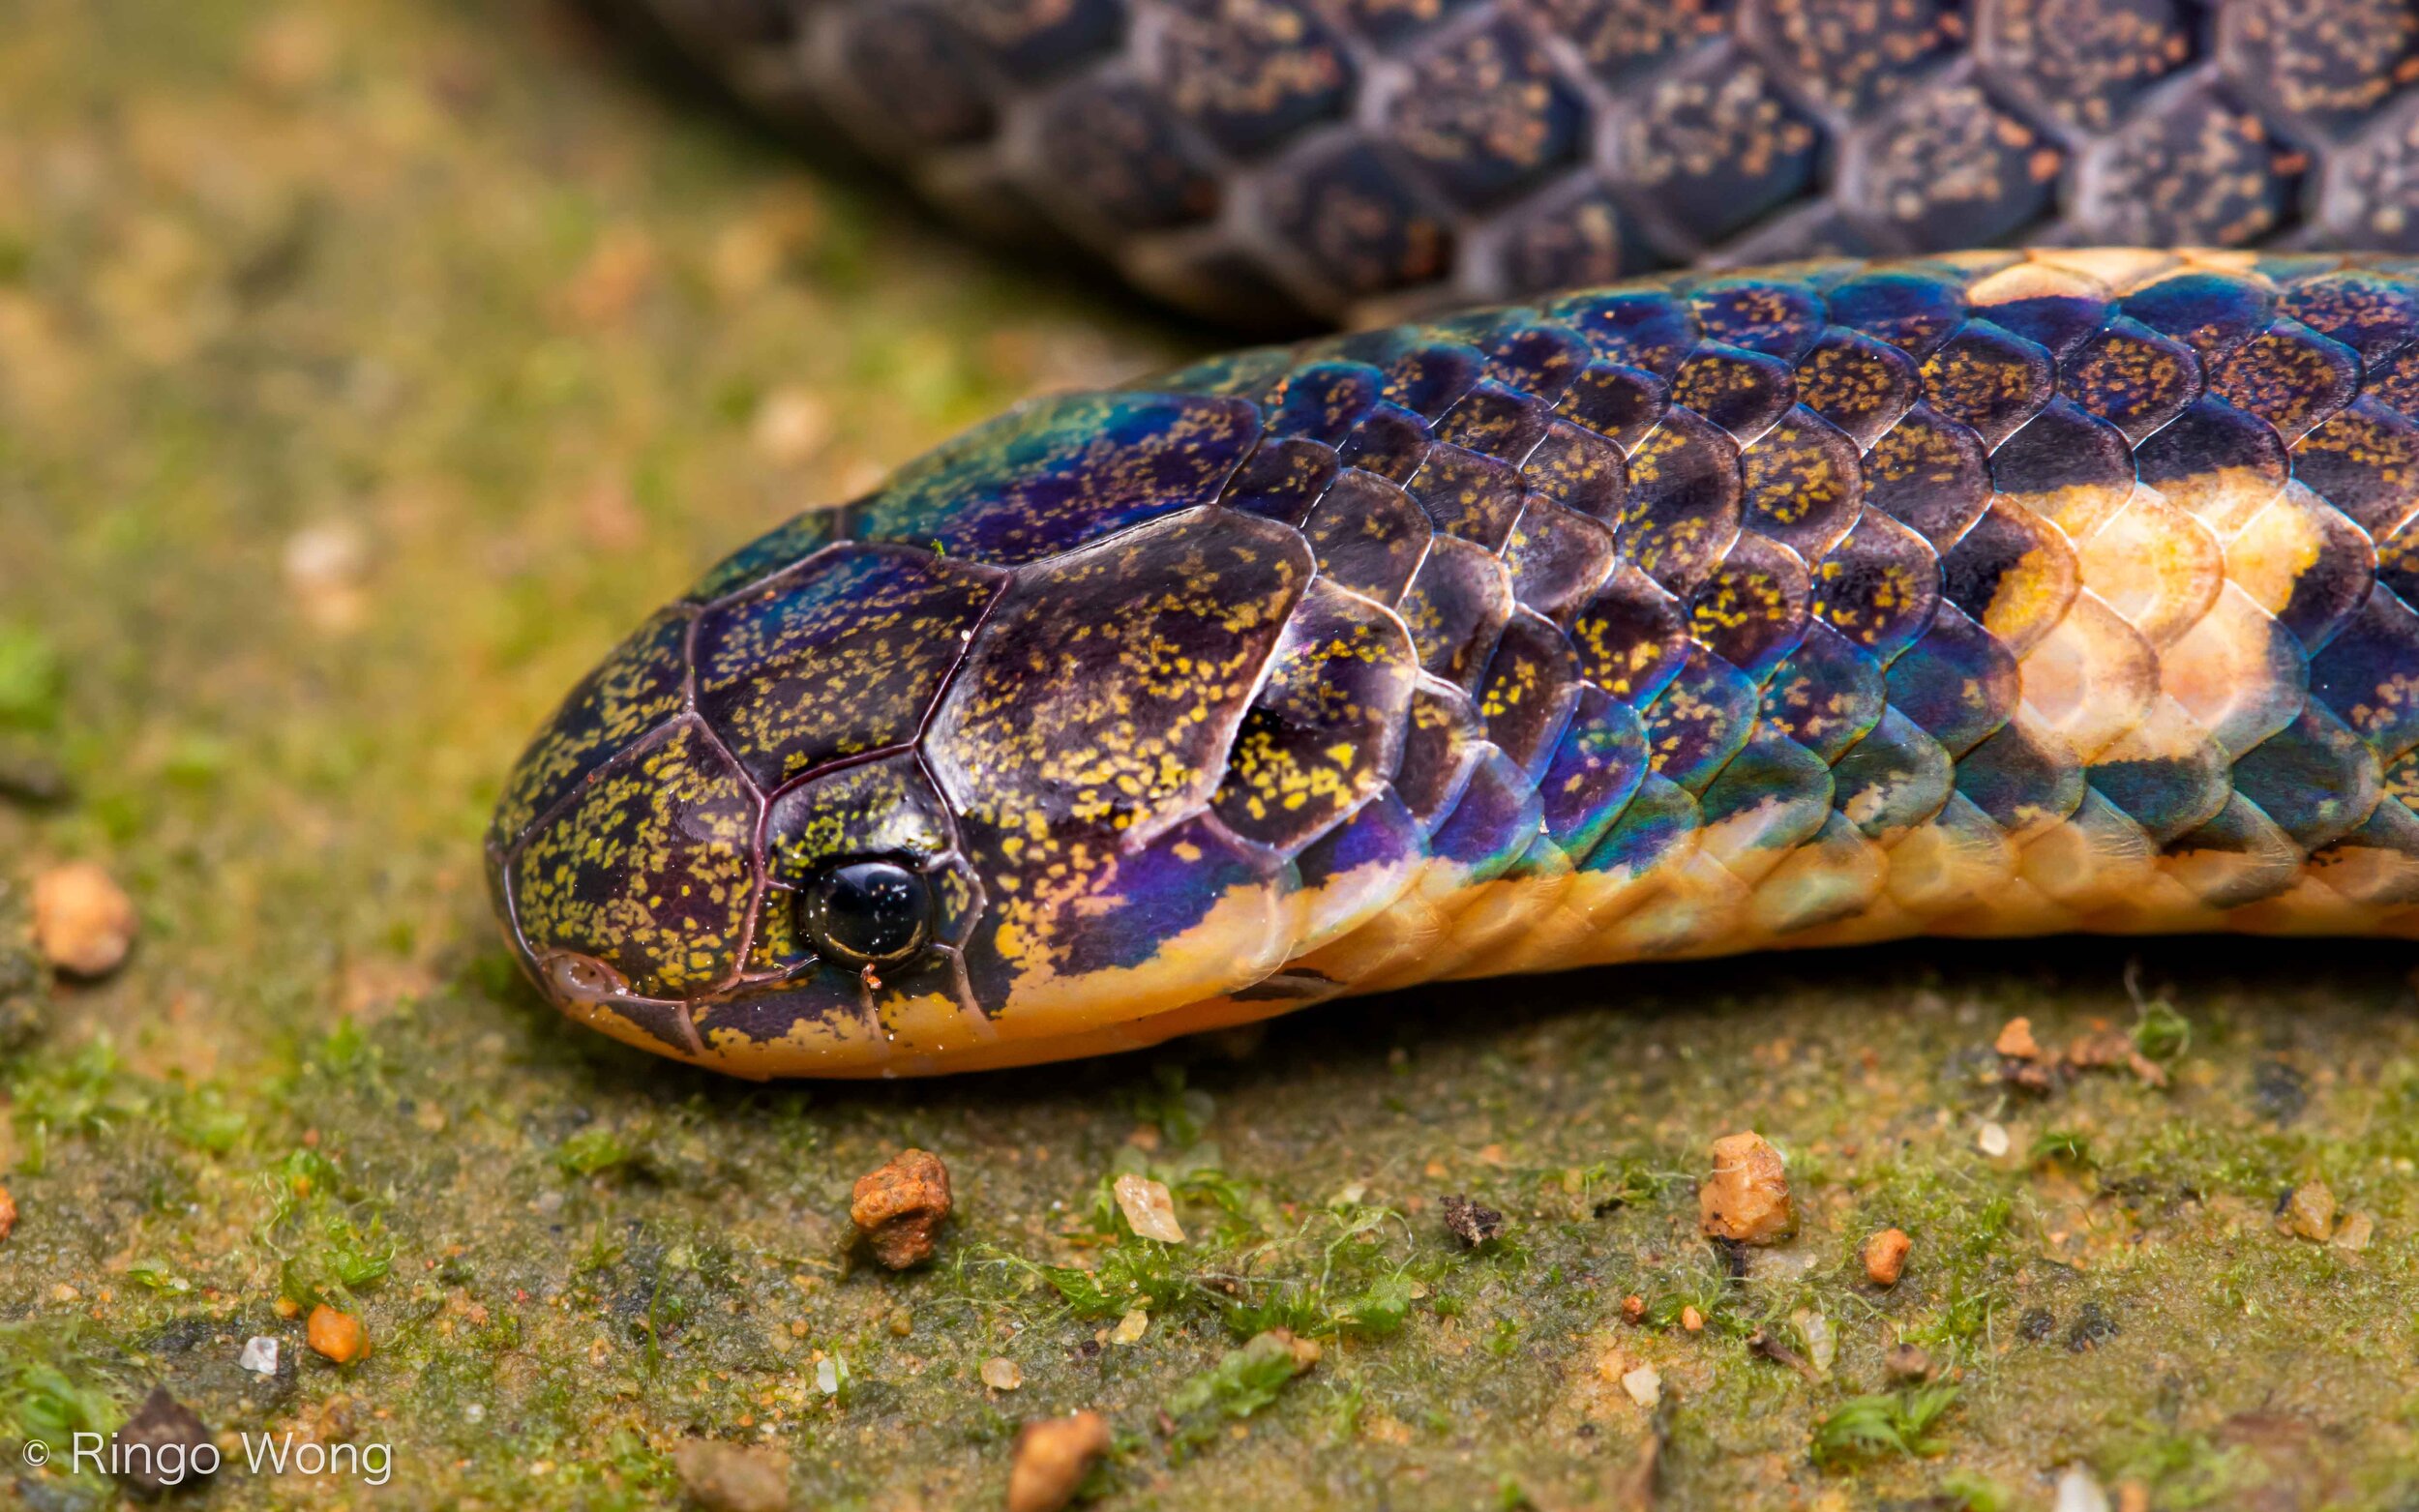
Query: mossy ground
{"x": 368, "y": 367}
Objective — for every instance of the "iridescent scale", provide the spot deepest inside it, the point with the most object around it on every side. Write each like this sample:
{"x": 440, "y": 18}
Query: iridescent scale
{"x": 1991, "y": 594}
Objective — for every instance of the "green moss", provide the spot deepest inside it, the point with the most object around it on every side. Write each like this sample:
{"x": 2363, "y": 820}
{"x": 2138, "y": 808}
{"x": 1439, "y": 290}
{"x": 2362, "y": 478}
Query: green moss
{"x": 1966, "y": 1491}
{"x": 1884, "y": 1424}
{"x": 2161, "y": 1033}
{"x": 2184, "y": 1469}
{"x": 593, "y": 1150}
{"x": 1245, "y": 1381}
{"x": 32, "y": 678}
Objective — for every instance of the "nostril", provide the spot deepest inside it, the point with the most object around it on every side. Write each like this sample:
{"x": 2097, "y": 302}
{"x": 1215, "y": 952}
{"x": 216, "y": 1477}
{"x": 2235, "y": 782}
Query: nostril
{"x": 585, "y": 980}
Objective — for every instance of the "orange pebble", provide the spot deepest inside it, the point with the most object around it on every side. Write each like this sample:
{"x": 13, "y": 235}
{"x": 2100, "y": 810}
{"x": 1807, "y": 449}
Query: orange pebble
{"x": 336, "y": 1335}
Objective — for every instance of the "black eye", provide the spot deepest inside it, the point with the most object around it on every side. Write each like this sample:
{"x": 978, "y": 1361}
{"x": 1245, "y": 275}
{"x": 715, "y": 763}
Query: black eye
{"x": 866, "y": 911}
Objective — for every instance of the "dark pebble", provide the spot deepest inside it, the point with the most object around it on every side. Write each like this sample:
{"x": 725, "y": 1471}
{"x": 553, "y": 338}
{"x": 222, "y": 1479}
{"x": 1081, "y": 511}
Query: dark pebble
{"x": 156, "y": 1452}
{"x": 23, "y": 1015}
{"x": 2092, "y": 1326}
{"x": 32, "y": 780}
{"x": 2278, "y": 1091}
{"x": 1473, "y": 1223}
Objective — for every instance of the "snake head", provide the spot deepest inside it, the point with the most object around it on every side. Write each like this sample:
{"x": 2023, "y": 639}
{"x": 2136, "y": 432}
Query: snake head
{"x": 947, "y": 779}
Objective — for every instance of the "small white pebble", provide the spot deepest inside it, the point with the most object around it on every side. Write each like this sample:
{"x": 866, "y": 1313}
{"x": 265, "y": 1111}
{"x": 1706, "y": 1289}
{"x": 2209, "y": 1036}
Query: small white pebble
{"x": 790, "y": 426}
{"x": 259, "y": 1355}
{"x": 324, "y": 567}
{"x": 1000, "y": 1373}
{"x": 1993, "y": 1140}
{"x": 1146, "y": 1205}
{"x": 1822, "y": 1345}
{"x": 474, "y": 1412}
{"x": 829, "y": 1372}
{"x": 326, "y": 554}
{"x": 1645, "y": 1385}
{"x": 2077, "y": 1492}
{"x": 1129, "y": 1329}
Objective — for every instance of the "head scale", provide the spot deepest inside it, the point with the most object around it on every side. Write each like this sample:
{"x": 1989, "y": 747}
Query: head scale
{"x": 938, "y": 780}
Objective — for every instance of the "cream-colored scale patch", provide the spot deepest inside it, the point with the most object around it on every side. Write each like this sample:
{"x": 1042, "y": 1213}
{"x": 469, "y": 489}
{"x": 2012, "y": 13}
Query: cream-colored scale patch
{"x": 2091, "y": 679}
{"x": 2156, "y": 565}
{"x": 2237, "y": 672}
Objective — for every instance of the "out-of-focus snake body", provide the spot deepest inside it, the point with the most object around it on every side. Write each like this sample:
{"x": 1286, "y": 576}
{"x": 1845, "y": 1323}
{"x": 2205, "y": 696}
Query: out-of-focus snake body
{"x": 1268, "y": 159}
{"x": 1986, "y": 594}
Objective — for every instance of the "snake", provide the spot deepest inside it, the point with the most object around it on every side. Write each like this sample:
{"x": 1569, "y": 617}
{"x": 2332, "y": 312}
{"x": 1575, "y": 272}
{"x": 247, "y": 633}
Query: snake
{"x": 1725, "y": 604}
{"x": 1971, "y": 594}
{"x": 1311, "y": 162}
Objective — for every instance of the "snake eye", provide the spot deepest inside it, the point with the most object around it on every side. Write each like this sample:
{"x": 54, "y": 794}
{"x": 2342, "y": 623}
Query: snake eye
{"x": 865, "y": 913}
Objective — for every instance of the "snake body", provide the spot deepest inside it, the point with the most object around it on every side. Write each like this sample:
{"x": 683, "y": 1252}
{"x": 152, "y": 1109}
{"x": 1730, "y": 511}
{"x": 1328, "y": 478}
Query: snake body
{"x": 1984, "y": 594}
{"x": 1270, "y": 159}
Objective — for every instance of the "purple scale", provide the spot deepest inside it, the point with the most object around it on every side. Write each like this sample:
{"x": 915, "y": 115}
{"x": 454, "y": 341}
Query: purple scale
{"x": 1879, "y": 586}
{"x": 1616, "y": 401}
{"x": 2372, "y": 314}
{"x": 1684, "y": 505}
{"x": 1596, "y": 767}
{"x": 1496, "y": 421}
{"x": 2211, "y": 312}
{"x": 1632, "y": 638}
{"x": 1826, "y": 695}
{"x": 1752, "y": 611}
{"x": 2132, "y": 376}
{"x": 1989, "y": 379}
{"x": 1497, "y": 819}
{"x": 1647, "y": 330}
{"x": 2364, "y": 674}
{"x": 1700, "y": 721}
{"x": 1458, "y": 601}
{"x": 1558, "y": 559}
{"x": 1369, "y": 535}
{"x": 2211, "y": 438}
{"x": 1579, "y": 470}
{"x": 1958, "y": 681}
{"x": 1858, "y": 383}
{"x": 1741, "y": 391}
{"x": 1780, "y": 318}
{"x": 2364, "y": 462}
{"x": 1537, "y": 359}
{"x": 1929, "y": 473}
{"x": 1391, "y": 442}
{"x": 1472, "y": 495}
{"x": 2289, "y": 377}
{"x": 1441, "y": 741}
{"x": 1531, "y": 687}
{"x": 2064, "y": 447}
{"x": 1322, "y": 400}
{"x": 1912, "y": 310}
{"x": 1282, "y": 480}
{"x": 1803, "y": 483}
